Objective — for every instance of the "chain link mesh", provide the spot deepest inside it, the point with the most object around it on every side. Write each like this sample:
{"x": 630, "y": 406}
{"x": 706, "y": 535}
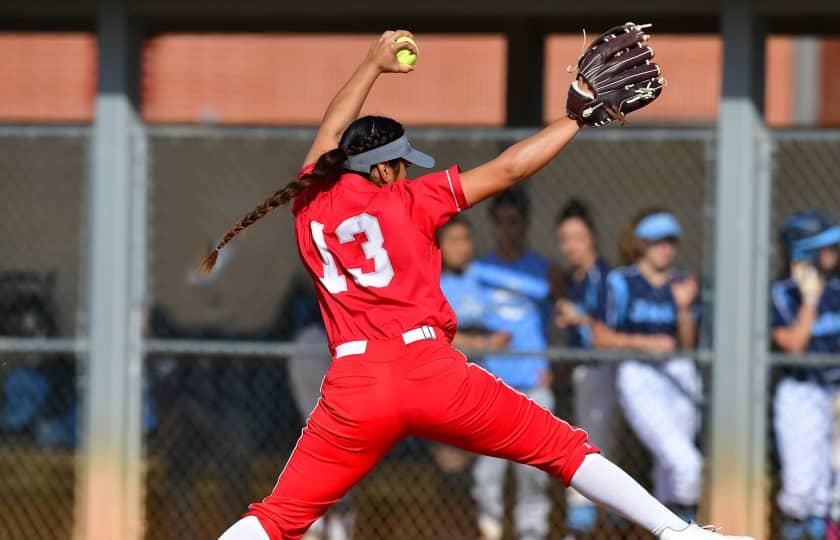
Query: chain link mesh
{"x": 42, "y": 173}
{"x": 220, "y": 425}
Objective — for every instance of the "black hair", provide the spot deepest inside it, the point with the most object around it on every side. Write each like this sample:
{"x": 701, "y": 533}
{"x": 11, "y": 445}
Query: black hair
{"x": 576, "y": 209}
{"x": 515, "y": 197}
{"x": 457, "y": 219}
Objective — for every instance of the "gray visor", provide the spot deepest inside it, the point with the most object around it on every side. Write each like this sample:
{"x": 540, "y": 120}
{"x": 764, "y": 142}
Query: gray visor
{"x": 399, "y": 148}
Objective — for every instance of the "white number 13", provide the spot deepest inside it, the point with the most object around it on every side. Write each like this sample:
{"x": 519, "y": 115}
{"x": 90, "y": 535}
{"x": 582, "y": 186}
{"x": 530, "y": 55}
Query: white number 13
{"x": 365, "y": 224}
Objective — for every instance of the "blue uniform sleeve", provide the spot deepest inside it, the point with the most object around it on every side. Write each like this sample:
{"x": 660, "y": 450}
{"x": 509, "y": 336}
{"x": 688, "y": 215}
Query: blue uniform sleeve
{"x": 503, "y": 278}
{"x": 596, "y": 292}
{"x": 617, "y": 300}
{"x": 784, "y": 306}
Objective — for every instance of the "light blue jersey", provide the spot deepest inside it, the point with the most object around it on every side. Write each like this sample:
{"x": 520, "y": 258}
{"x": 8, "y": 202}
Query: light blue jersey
{"x": 517, "y": 304}
{"x": 467, "y": 297}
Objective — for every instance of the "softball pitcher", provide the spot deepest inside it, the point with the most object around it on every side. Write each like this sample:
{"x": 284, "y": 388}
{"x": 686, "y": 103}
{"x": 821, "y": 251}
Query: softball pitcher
{"x": 806, "y": 318}
{"x": 653, "y": 307}
{"x": 367, "y": 237}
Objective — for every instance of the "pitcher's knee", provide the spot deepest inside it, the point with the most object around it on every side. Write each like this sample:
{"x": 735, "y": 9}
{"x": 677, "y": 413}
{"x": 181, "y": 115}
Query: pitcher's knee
{"x": 570, "y": 457}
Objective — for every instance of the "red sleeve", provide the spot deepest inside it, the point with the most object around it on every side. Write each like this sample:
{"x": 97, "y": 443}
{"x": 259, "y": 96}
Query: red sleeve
{"x": 306, "y": 169}
{"x": 434, "y": 198}
{"x": 298, "y": 202}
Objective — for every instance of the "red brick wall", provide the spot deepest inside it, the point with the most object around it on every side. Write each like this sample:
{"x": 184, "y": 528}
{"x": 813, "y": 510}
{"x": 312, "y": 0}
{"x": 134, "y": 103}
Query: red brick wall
{"x": 288, "y": 79}
{"x": 47, "y": 77}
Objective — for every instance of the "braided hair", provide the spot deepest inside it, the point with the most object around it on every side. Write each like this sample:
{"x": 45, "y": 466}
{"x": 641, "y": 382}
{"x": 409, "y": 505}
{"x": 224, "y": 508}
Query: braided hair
{"x": 366, "y": 133}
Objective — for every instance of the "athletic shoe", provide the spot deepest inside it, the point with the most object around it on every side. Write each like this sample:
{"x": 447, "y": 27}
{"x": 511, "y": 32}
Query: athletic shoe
{"x": 695, "y": 532}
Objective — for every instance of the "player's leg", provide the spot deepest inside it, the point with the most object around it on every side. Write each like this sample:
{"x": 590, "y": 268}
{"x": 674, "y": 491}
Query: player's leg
{"x": 532, "y": 509}
{"x": 465, "y": 406}
{"x": 354, "y": 424}
{"x": 474, "y": 410}
{"x": 802, "y": 425}
{"x": 686, "y": 478}
{"x": 662, "y": 417}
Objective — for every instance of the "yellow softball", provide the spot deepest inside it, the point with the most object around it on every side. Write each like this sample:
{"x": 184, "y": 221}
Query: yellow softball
{"x": 406, "y": 56}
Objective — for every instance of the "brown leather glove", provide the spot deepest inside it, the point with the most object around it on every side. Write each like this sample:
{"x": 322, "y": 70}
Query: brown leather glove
{"x": 621, "y": 78}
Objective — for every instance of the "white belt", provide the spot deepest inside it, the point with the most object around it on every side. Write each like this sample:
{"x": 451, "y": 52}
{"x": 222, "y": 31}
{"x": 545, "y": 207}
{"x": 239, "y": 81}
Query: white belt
{"x": 359, "y": 347}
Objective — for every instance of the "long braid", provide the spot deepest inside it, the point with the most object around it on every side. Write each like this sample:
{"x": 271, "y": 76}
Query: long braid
{"x": 278, "y": 198}
{"x": 327, "y": 169}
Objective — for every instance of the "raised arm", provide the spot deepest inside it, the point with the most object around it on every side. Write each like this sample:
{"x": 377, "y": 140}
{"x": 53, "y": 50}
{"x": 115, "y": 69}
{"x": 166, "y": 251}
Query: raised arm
{"x": 614, "y": 78}
{"x": 347, "y": 103}
{"x": 518, "y": 162}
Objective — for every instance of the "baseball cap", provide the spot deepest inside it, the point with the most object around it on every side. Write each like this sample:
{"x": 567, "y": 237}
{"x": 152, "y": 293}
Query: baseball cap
{"x": 806, "y": 232}
{"x": 655, "y": 227}
{"x": 399, "y": 148}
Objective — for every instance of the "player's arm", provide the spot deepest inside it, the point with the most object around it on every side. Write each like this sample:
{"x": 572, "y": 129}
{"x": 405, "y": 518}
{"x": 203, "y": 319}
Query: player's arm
{"x": 686, "y": 328}
{"x": 685, "y": 292}
{"x": 472, "y": 341}
{"x": 347, "y": 103}
{"x": 518, "y": 162}
{"x": 795, "y": 337}
{"x": 604, "y": 337}
{"x": 606, "y": 89}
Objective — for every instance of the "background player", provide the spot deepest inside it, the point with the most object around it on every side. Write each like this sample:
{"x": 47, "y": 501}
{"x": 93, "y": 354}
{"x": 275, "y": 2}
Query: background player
{"x": 584, "y": 295}
{"x": 806, "y": 318}
{"x": 367, "y": 237}
{"x": 467, "y": 296}
{"x": 470, "y": 301}
{"x": 653, "y": 307}
{"x": 517, "y": 303}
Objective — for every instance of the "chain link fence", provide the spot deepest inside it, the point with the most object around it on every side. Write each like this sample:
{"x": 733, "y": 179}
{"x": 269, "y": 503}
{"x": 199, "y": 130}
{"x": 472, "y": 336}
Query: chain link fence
{"x": 42, "y": 172}
{"x": 225, "y": 399}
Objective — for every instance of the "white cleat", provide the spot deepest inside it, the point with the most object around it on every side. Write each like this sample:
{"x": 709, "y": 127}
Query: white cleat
{"x": 695, "y": 532}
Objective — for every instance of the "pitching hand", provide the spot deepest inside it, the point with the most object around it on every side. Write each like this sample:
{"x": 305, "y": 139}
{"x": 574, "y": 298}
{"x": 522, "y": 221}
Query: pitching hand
{"x": 383, "y": 52}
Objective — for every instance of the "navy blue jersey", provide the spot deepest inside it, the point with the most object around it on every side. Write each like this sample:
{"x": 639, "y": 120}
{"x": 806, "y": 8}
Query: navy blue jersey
{"x": 589, "y": 296}
{"x": 825, "y": 332}
{"x": 518, "y": 304}
{"x": 634, "y": 306}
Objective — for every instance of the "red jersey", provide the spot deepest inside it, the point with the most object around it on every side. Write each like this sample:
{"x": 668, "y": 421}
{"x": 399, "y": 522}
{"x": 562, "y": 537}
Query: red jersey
{"x": 373, "y": 254}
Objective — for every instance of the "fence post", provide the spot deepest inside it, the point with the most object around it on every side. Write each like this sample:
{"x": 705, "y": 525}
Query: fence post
{"x": 109, "y": 502}
{"x": 738, "y": 447}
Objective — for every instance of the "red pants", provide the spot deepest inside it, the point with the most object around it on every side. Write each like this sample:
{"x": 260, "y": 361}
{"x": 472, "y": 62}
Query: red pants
{"x": 426, "y": 389}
